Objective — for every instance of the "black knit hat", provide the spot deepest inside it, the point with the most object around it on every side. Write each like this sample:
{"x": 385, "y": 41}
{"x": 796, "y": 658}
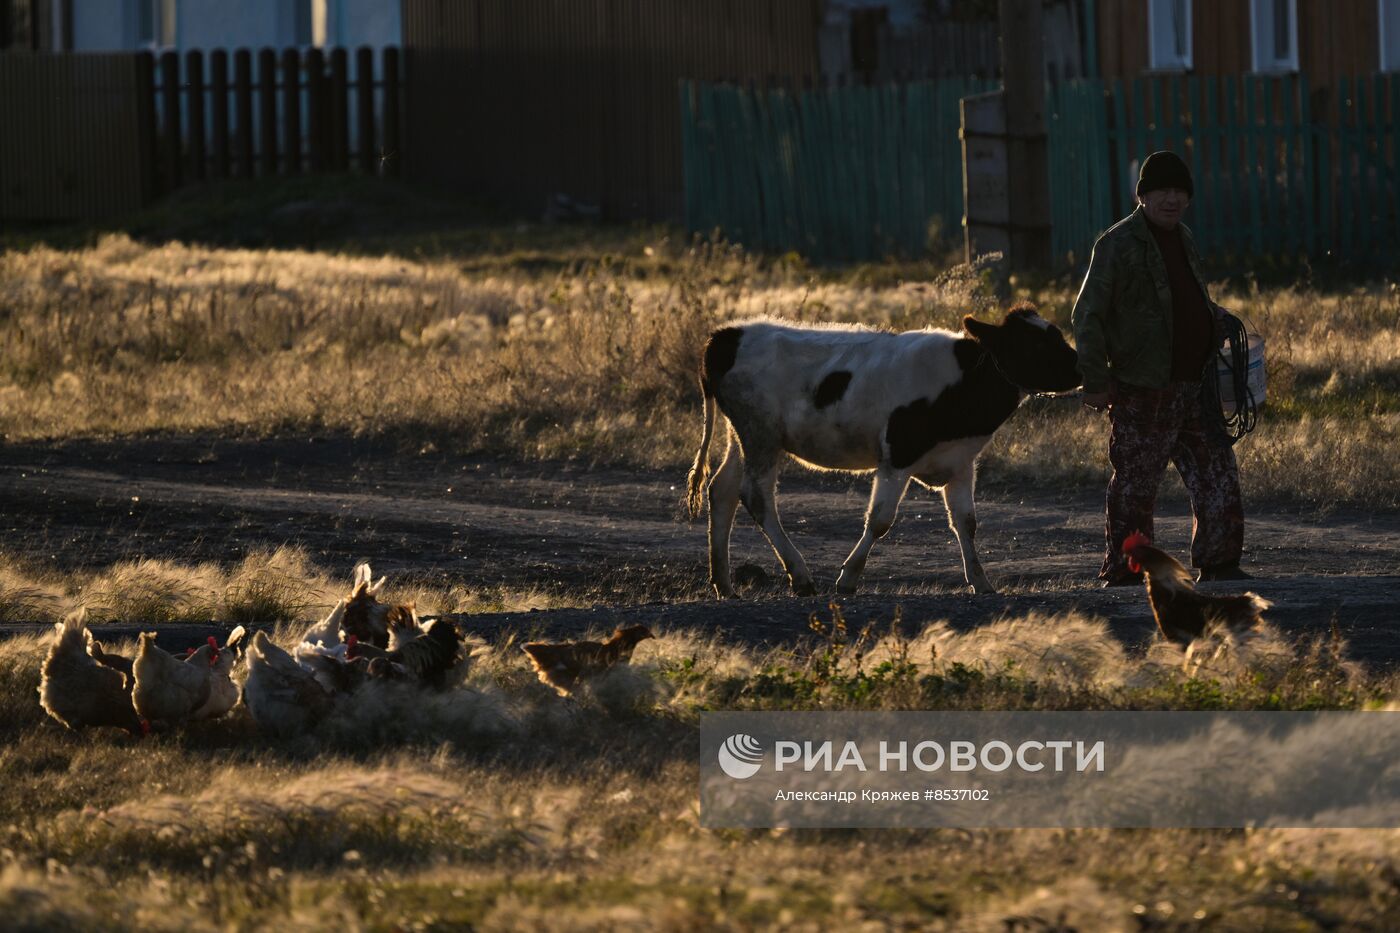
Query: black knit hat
{"x": 1164, "y": 169}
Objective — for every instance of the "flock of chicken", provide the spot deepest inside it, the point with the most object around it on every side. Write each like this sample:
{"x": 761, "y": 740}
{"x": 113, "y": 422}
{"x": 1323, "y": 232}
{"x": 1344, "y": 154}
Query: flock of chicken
{"x": 362, "y": 640}
{"x": 365, "y": 640}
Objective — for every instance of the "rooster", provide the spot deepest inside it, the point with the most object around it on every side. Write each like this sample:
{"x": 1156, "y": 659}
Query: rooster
{"x": 78, "y": 691}
{"x": 1182, "y": 613}
{"x": 365, "y": 616}
{"x": 426, "y": 658}
{"x": 283, "y": 697}
{"x": 403, "y": 625}
{"x": 563, "y": 666}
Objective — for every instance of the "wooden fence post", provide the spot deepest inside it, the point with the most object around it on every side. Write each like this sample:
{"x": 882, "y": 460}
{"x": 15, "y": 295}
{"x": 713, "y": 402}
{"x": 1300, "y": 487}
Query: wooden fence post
{"x": 171, "y": 135}
{"x": 291, "y": 109}
{"x": 243, "y": 105}
{"x": 364, "y": 107}
{"x": 267, "y": 110}
{"x": 146, "y": 113}
{"x": 194, "y": 71}
{"x": 317, "y": 116}
{"x": 392, "y": 161}
{"x": 218, "y": 65}
{"x": 1028, "y": 177}
{"x": 338, "y": 124}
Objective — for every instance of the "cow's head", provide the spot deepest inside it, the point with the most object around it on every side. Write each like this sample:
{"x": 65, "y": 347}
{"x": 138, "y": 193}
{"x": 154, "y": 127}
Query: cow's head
{"x": 1028, "y": 350}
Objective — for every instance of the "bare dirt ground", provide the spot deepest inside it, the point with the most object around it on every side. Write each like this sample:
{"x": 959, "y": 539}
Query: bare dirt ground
{"x": 612, "y": 538}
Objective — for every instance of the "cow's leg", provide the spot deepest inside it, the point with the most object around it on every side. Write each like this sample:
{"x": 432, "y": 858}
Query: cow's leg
{"x": 885, "y": 495}
{"x": 962, "y": 516}
{"x": 724, "y": 502}
{"x": 758, "y": 492}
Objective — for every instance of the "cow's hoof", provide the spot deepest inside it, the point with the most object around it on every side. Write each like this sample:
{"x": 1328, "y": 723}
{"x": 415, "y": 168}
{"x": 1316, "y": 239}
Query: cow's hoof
{"x": 846, "y": 589}
{"x": 985, "y": 589}
{"x": 804, "y": 589}
{"x": 725, "y": 592}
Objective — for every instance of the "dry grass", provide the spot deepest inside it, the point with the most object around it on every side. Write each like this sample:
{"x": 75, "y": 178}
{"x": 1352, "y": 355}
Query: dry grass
{"x": 277, "y": 585}
{"x": 594, "y": 361}
{"x": 498, "y": 806}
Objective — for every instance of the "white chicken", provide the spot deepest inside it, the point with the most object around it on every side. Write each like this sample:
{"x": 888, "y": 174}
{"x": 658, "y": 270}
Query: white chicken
{"x": 283, "y": 697}
{"x": 323, "y": 637}
{"x": 168, "y": 689}
{"x": 79, "y": 692}
{"x": 223, "y": 692}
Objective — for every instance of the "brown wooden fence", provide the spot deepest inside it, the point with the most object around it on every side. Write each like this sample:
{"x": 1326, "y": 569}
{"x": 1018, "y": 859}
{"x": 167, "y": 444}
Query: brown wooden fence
{"x": 288, "y": 112}
{"x": 517, "y": 101}
{"x": 71, "y": 136}
{"x": 91, "y": 134}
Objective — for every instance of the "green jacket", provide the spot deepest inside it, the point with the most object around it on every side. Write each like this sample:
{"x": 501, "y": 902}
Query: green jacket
{"x": 1123, "y": 315}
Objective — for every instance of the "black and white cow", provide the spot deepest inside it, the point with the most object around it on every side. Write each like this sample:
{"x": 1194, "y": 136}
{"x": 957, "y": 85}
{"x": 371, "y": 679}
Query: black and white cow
{"x": 916, "y": 405}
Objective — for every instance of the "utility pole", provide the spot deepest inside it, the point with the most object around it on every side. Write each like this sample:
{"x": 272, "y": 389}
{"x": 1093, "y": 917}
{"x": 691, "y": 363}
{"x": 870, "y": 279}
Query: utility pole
{"x": 1028, "y": 171}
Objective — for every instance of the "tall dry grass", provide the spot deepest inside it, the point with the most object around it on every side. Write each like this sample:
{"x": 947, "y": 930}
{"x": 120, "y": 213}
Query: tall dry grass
{"x": 270, "y": 585}
{"x": 597, "y": 361}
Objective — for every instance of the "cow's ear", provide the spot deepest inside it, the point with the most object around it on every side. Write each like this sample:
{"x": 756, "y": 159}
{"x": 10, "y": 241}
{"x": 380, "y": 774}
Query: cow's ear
{"x": 978, "y": 330}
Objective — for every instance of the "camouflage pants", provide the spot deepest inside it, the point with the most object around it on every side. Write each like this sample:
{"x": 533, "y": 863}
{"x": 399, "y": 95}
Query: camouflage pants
{"x": 1150, "y": 427}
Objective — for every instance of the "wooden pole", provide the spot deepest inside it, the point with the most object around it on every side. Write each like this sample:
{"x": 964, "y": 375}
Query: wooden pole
{"x": 1028, "y": 175}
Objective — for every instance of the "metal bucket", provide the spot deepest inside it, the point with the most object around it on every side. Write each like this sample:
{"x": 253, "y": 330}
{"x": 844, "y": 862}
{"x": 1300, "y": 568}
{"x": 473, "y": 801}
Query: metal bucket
{"x": 1255, "y": 379}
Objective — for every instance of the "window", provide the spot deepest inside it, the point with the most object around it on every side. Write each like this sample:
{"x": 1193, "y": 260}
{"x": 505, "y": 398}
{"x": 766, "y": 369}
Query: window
{"x": 1390, "y": 35}
{"x": 1169, "y": 35}
{"x": 1274, "y": 24}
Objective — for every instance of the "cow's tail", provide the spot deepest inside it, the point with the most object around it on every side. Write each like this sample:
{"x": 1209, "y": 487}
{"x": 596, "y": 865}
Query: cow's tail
{"x": 700, "y": 469}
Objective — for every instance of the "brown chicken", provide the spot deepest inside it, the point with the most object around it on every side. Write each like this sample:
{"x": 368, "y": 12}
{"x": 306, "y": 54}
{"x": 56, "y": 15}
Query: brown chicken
{"x": 564, "y": 666}
{"x": 117, "y": 662}
{"x": 78, "y": 691}
{"x": 1182, "y": 613}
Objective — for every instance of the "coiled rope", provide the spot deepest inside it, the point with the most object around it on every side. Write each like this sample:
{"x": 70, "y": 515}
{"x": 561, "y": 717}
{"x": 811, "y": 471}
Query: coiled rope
{"x": 1243, "y": 419}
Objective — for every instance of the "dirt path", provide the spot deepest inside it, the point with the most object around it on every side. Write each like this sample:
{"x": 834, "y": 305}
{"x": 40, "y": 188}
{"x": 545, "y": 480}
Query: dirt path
{"x": 611, "y": 537}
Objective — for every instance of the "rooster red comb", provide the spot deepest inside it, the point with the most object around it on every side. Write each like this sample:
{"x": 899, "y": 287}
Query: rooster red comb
{"x": 1134, "y": 541}
{"x": 213, "y": 642}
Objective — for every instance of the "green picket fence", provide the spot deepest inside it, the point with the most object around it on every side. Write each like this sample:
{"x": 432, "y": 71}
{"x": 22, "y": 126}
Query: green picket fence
{"x": 1081, "y": 204}
{"x": 1280, "y": 171}
{"x": 832, "y": 173}
{"x": 1367, "y": 212}
{"x": 867, "y": 172}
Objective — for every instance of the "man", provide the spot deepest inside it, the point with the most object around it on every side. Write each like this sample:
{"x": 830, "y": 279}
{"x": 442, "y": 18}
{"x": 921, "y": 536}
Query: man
{"x": 1145, "y": 329}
